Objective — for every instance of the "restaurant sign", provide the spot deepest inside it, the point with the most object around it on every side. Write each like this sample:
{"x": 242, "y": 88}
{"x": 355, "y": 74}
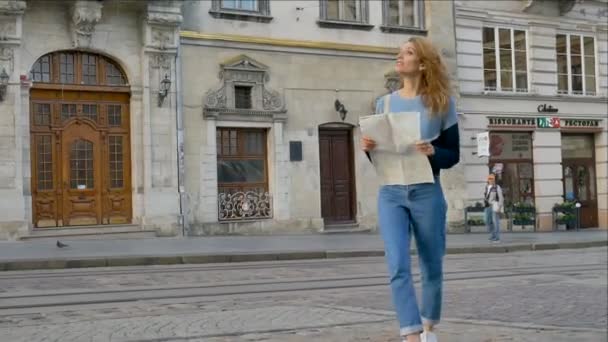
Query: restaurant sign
{"x": 512, "y": 121}
{"x": 542, "y": 122}
{"x": 581, "y": 123}
{"x": 548, "y": 122}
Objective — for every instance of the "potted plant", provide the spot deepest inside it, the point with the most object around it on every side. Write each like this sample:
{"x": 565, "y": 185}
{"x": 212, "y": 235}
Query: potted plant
{"x": 565, "y": 214}
{"x": 473, "y": 220}
{"x": 476, "y": 222}
{"x": 523, "y": 213}
{"x": 566, "y": 206}
{"x": 477, "y": 208}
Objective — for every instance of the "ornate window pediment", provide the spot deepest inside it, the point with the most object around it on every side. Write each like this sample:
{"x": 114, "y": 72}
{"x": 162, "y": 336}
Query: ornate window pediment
{"x": 243, "y": 95}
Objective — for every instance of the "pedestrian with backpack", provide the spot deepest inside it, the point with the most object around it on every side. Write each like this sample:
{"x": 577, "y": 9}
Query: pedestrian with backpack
{"x": 494, "y": 204}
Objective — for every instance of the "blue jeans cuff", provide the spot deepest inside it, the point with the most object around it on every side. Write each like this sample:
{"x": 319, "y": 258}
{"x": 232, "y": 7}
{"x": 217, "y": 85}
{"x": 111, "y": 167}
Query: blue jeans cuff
{"x": 412, "y": 329}
{"x": 431, "y": 322}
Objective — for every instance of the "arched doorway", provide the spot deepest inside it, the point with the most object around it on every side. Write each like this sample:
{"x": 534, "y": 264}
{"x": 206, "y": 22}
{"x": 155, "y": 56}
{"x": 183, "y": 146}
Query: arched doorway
{"x": 80, "y": 141}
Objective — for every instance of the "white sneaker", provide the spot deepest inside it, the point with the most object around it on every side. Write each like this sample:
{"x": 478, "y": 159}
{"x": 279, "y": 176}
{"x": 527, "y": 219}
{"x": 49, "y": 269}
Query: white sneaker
{"x": 428, "y": 336}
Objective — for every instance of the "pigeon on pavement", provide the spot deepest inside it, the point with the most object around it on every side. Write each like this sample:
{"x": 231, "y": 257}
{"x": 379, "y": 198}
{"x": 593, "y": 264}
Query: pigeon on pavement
{"x": 61, "y": 244}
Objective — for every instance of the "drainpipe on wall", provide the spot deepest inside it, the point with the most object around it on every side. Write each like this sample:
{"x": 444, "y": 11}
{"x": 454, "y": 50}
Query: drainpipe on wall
{"x": 180, "y": 137}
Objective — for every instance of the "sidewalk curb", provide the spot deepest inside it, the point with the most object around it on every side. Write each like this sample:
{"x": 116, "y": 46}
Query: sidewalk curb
{"x": 267, "y": 256}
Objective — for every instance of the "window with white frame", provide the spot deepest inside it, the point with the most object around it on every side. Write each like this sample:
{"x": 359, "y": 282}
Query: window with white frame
{"x": 344, "y": 10}
{"x": 242, "y": 5}
{"x": 247, "y": 10}
{"x": 403, "y": 13}
{"x": 505, "y": 60}
{"x": 575, "y": 64}
{"x": 349, "y": 10}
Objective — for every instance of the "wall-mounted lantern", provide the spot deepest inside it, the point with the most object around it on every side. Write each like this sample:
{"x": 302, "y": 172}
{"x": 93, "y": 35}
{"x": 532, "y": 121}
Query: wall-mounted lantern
{"x": 339, "y": 106}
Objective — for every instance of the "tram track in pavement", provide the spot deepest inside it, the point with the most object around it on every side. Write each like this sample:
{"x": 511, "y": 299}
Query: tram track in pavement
{"x": 178, "y": 268}
{"x": 154, "y": 269}
{"x": 66, "y": 299}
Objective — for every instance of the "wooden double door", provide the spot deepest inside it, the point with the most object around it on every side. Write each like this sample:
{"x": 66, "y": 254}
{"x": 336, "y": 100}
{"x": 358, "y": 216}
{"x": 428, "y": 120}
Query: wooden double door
{"x": 579, "y": 184}
{"x": 337, "y": 176}
{"x": 578, "y": 167}
{"x": 80, "y": 152}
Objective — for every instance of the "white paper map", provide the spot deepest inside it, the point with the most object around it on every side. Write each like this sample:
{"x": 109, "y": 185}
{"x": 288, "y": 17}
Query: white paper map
{"x": 395, "y": 157}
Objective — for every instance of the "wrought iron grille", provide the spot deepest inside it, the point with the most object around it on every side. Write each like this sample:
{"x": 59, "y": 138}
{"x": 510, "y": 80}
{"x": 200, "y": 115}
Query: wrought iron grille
{"x": 244, "y": 205}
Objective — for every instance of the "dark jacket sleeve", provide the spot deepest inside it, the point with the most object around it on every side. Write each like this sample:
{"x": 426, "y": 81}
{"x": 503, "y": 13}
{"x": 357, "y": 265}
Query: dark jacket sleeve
{"x": 447, "y": 145}
{"x": 447, "y": 149}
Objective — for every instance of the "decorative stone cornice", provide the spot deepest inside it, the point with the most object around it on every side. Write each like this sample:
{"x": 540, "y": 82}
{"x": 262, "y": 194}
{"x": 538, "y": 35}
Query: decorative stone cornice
{"x": 7, "y": 29}
{"x": 165, "y": 13}
{"x": 165, "y": 18}
{"x": 162, "y": 20}
{"x": 160, "y": 60}
{"x": 12, "y": 6}
{"x": 536, "y": 6}
{"x": 85, "y": 15}
{"x": 235, "y": 114}
{"x": 266, "y": 104}
{"x": 566, "y": 6}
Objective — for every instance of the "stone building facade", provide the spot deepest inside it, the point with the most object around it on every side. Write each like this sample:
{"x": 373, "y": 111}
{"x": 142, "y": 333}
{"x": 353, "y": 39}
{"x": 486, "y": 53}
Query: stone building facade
{"x": 534, "y": 74}
{"x": 84, "y": 139}
{"x": 198, "y": 117}
{"x": 272, "y": 94}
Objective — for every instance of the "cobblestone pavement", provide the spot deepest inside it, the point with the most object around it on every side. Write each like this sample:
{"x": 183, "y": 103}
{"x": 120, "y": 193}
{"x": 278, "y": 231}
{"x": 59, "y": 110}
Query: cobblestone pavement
{"x": 529, "y": 296}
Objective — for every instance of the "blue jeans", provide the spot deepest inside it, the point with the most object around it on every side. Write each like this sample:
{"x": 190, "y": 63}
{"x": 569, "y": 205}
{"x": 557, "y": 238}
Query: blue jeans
{"x": 492, "y": 220}
{"x": 419, "y": 209}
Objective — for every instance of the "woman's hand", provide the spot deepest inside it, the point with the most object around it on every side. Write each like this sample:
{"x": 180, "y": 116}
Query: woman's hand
{"x": 367, "y": 144}
{"x": 425, "y": 148}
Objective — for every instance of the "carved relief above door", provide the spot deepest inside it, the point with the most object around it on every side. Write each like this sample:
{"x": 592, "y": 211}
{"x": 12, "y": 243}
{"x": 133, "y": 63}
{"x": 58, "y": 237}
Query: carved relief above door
{"x": 79, "y": 128}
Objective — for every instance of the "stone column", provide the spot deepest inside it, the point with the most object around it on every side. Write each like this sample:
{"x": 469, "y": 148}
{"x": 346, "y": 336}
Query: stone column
{"x": 12, "y": 204}
{"x": 542, "y": 57}
{"x": 161, "y": 39}
{"x": 208, "y": 202}
{"x": 281, "y": 177}
{"x": 548, "y": 186}
{"x": 439, "y": 18}
{"x": 601, "y": 139}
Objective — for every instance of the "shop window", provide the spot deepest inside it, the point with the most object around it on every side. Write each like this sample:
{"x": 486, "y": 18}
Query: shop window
{"x": 511, "y": 161}
{"x": 241, "y": 160}
{"x": 578, "y": 162}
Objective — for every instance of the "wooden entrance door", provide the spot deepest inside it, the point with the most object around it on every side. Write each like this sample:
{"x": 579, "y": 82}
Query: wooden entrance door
{"x": 80, "y": 175}
{"x": 579, "y": 184}
{"x": 578, "y": 163}
{"x": 337, "y": 176}
{"x": 80, "y": 141}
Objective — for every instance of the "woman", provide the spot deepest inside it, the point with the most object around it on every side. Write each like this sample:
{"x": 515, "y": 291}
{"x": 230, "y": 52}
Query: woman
{"x": 494, "y": 202}
{"x": 420, "y": 208}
